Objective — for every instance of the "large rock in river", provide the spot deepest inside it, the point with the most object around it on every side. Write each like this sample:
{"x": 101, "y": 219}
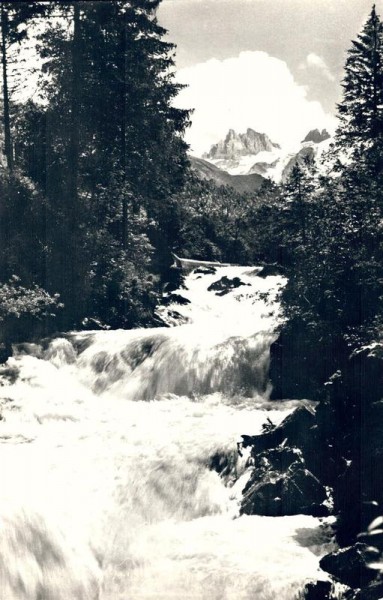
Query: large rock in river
{"x": 281, "y": 485}
{"x": 350, "y": 565}
{"x": 295, "y": 428}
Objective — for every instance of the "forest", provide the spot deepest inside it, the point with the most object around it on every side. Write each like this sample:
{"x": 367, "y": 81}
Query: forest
{"x": 97, "y": 189}
{"x": 97, "y": 192}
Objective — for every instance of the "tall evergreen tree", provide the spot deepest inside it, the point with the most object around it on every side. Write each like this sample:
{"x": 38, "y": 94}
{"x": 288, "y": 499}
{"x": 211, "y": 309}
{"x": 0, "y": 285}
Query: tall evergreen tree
{"x": 361, "y": 109}
{"x": 108, "y": 141}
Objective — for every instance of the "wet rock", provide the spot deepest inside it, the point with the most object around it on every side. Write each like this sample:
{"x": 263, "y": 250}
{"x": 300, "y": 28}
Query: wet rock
{"x": 320, "y": 590}
{"x": 281, "y": 485}
{"x": 175, "y": 299}
{"x": 270, "y": 270}
{"x": 8, "y": 374}
{"x": 5, "y": 351}
{"x": 293, "y": 493}
{"x": 295, "y": 428}
{"x": 225, "y": 285}
{"x": 350, "y": 565}
{"x": 277, "y": 459}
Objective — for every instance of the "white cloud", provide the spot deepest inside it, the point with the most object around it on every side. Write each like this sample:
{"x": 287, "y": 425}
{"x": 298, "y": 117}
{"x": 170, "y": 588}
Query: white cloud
{"x": 252, "y": 90}
{"x": 313, "y": 60}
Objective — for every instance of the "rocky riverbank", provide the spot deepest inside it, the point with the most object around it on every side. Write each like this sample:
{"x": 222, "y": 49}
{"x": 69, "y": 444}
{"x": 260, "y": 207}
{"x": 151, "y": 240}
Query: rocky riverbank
{"x": 328, "y": 460}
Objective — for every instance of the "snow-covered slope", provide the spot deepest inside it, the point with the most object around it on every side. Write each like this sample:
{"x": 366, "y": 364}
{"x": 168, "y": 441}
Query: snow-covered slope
{"x": 254, "y": 153}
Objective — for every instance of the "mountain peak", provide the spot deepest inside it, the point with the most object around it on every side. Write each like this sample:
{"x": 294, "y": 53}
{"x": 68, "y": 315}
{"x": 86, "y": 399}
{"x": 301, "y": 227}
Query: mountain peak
{"x": 241, "y": 144}
{"x": 316, "y": 136}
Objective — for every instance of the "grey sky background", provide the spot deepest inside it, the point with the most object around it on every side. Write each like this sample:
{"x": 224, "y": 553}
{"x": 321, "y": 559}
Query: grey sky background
{"x": 310, "y": 36}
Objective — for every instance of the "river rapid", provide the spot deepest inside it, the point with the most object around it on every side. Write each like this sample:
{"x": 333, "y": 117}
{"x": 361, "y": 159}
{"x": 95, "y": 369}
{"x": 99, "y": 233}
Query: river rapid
{"x": 106, "y": 447}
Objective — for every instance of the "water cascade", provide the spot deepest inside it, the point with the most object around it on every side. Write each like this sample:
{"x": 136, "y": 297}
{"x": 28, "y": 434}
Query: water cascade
{"x": 107, "y": 441}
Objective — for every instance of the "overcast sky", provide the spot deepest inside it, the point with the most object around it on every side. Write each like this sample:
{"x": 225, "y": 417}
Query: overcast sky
{"x": 273, "y": 65}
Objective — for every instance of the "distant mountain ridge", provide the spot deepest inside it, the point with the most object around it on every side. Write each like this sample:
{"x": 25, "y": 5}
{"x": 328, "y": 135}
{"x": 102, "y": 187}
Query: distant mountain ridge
{"x": 317, "y": 136}
{"x": 253, "y": 153}
{"x": 241, "y": 144}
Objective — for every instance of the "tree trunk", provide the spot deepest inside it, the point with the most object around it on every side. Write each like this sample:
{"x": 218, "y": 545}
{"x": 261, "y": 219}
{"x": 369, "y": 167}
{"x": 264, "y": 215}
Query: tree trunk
{"x": 6, "y": 116}
{"x": 73, "y": 166}
{"x": 75, "y": 100}
{"x": 124, "y": 223}
{"x": 124, "y": 236}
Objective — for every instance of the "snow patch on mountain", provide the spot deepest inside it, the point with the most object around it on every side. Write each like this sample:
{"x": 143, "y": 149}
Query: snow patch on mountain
{"x": 254, "y": 153}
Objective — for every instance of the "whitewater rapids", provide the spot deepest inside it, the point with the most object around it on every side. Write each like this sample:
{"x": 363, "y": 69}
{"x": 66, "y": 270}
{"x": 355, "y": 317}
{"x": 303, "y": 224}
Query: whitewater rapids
{"x": 106, "y": 447}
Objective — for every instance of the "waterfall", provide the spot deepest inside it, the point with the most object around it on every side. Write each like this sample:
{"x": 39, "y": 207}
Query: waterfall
{"x": 107, "y": 444}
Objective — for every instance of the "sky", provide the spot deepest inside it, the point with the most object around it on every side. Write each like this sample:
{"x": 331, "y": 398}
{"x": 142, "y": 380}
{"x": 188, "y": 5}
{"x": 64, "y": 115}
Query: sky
{"x": 272, "y": 65}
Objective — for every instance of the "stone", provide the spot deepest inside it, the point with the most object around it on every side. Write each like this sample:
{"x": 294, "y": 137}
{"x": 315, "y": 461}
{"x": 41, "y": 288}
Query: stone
{"x": 5, "y": 352}
{"x": 175, "y": 299}
{"x": 281, "y": 485}
{"x": 294, "y": 428}
{"x": 225, "y": 285}
{"x": 350, "y": 565}
{"x": 320, "y": 590}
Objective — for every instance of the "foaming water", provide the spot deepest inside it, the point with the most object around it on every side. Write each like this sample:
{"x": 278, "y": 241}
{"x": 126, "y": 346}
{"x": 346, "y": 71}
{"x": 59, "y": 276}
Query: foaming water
{"x": 108, "y": 491}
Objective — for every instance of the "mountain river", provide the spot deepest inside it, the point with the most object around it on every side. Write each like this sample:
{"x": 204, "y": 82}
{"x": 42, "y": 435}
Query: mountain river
{"x": 106, "y": 446}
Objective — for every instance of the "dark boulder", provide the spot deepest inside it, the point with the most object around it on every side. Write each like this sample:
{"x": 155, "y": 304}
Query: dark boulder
{"x": 308, "y": 431}
{"x": 5, "y": 351}
{"x": 320, "y": 590}
{"x": 225, "y": 285}
{"x": 175, "y": 299}
{"x": 295, "y": 428}
{"x": 281, "y": 485}
{"x": 263, "y": 499}
{"x": 350, "y": 565}
{"x": 278, "y": 459}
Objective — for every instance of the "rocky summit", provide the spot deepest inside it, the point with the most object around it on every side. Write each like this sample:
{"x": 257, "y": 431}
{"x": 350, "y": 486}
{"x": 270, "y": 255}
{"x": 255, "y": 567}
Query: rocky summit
{"x": 241, "y": 144}
{"x": 250, "y": 154}
{"x": 317, "y": 136}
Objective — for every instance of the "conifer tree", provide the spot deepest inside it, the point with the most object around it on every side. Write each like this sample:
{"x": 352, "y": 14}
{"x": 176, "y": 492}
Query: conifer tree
{"x": 109, "y": 145}
{"x": 361, "y": 110}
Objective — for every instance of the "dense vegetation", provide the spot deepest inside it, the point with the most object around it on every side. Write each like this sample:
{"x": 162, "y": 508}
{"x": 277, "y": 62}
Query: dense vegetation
{"x": 92, "y": 167}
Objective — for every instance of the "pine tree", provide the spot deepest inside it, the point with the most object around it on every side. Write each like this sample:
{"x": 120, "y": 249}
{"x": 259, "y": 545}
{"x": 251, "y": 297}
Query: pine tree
{"x": 127, "y": 121}
{"x": 109, "y": 144}
{"x": 298, "y": 191}
{"x": 361, "y": 110}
